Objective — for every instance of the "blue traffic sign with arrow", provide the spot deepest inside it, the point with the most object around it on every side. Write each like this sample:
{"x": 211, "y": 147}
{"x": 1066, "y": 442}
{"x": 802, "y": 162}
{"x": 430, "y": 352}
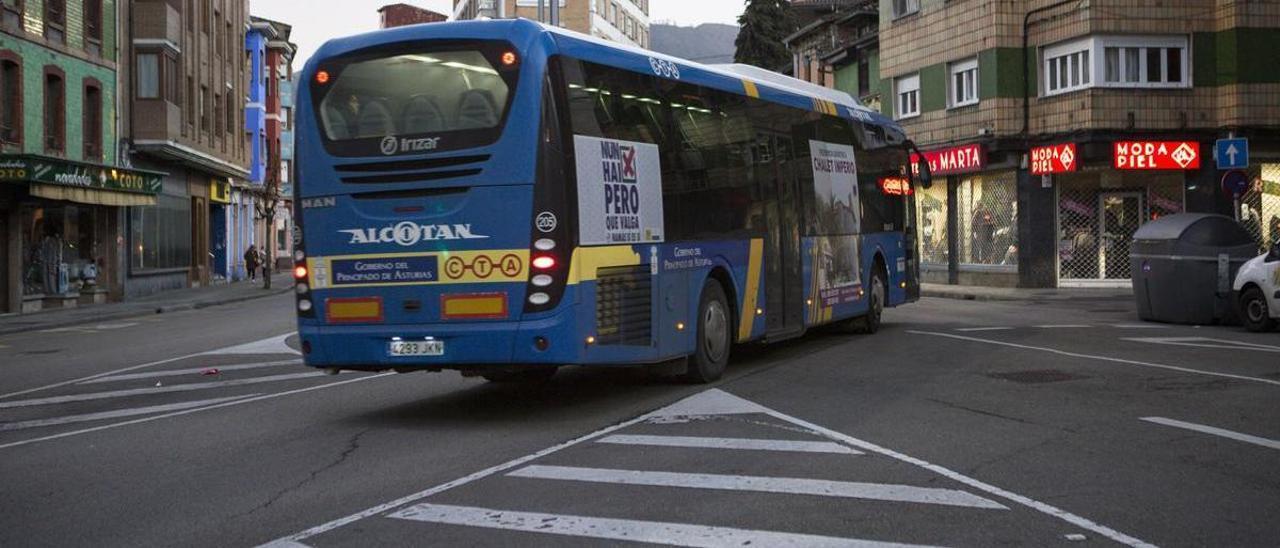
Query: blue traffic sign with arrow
{"x": 1231, "y": 153}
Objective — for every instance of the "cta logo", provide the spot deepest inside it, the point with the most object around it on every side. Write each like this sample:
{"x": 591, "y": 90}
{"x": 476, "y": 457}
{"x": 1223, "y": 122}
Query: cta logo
{"x": 410, "y": 233}
{"x": 392, "y": 144}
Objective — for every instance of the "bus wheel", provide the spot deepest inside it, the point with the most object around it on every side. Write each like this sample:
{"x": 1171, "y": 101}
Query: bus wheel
{"x": 533, "y": 375}
{"x": 714, "y": 336}
{"x": 870, "y": 322}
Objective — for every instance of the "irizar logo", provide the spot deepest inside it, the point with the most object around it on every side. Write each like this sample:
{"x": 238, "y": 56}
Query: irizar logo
{"x": 410, "y": 233}
{"x": 392, "y": 144}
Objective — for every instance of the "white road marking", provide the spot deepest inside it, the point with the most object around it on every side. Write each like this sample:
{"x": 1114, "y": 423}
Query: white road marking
{"x": 1206, "y": 342}
{"x": 1063, "y": 326}
{"x": 790, "y": 486}
{"x": 1139, "y": 326}
{"x": 731, "y": 443}
{"x": 967, "y": 329}
{"x": 1100, "y": 358}
{"x": 124, "y": 370}
{"x": 273, "y": 345}
{"x": 1264, "y": 442}
{"x": 155, "y": 390}
{"x": 655, "y": 532}
{"x": 188, "y": 411}
{"x": 715, "y": 402}
{"x": 193, "y": 371}
{"x": 22, "y": 425}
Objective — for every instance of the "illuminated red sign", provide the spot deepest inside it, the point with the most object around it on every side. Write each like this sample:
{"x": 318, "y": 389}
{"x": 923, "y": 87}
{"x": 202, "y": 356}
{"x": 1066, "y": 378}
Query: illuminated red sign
{"x": 1053, "y": 159}
{"x": 895, "y": 186}
{"x": 1157, "y": 155}
{"x": 949, "y": 161}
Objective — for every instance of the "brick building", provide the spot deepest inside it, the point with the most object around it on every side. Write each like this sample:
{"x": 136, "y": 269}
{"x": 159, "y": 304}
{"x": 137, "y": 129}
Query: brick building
{"x": 188, "y": 74}
{"x": 399, "y": 15}
{"x": 625, "y": 21}
{"x": 276, "y": 67}
{"x": 1122, "y": 99}
{"x": 839, "y": 47}
{"x": 64, "y": 184}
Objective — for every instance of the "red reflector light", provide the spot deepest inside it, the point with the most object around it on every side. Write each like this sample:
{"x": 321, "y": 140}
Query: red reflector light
{"x": 300, "y": 272}
{"x": 544, "y": 262}
{"x": 322, "y": 77}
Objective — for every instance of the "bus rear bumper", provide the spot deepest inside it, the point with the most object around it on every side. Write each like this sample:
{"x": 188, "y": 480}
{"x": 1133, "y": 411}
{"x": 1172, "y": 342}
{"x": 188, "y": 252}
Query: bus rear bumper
{"x": 547, "y": 341}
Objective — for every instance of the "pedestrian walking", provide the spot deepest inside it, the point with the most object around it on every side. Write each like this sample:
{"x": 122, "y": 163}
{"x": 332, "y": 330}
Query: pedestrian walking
{"x": 251, "y": 259}
{"x": 262, "y": 262}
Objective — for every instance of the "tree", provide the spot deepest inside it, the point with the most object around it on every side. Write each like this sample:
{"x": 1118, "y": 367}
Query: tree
{"x": 764, "y": 24}
{"x": 267, "y": 199}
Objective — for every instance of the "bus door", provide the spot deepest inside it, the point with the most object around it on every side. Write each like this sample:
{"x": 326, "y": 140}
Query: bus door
{"x": 783, "y": 288}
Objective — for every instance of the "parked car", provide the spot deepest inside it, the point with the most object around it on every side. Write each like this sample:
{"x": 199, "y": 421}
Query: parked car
{"x": 1258, "y": 287}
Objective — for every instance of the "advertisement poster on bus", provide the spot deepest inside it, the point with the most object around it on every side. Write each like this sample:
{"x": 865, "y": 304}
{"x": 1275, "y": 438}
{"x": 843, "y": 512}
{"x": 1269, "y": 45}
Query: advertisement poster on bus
{"x": 839, "y": 212}
{"x": 619, "y": 191}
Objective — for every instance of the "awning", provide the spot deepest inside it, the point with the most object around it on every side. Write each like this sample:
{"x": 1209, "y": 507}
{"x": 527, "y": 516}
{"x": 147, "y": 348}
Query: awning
{"x": 91, "y": 196}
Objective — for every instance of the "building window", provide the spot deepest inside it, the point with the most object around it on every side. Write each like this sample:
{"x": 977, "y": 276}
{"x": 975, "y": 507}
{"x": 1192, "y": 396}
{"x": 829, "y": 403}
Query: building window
{"x": 92, "y": 113}
{"x": 217, "y": 113}
{"x": 10, "y": 99}
{"x": 160, "y": 235}
{"x": 148, "y": 76}
{"x": 231, "y": 114}
{"x": 962, "y": 86}
{"x": 55, "y": 111}
{"x": 1067, "y": 71}
{"x": 204, "y": 108}
{"x": 1144, "y": 61}
{"x": 93, "y": 26}
{"x": 190, "y": 102}
{"x": 169, "y": 75}
{"x": 907, "y": 90}
{"x": 205, "y": 11}
{"x": 864, "y": 76}
{"x": 11, "y": 14}
{"x": 55, "y": 20}
{"x": 905, "y": 7}
{"x": 191, "y": 15}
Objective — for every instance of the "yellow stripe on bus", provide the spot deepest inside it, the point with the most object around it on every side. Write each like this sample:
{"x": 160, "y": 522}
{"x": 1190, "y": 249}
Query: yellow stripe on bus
{"x": 747, "y": 319}
{"x": 586, "y": 260}
{"x": 751, "y": 89}
{"x": 452, "y": 267}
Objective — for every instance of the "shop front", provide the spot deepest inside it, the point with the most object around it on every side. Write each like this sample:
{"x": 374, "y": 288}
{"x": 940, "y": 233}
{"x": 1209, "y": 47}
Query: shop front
{"x": 63, "y": 229}
{"x": 1102, "y": 201}
{"x": 968, "y": 219}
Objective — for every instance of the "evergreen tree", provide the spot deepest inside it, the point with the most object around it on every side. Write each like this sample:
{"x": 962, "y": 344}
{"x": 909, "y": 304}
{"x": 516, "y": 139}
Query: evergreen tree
{"x": 764, "y": 24}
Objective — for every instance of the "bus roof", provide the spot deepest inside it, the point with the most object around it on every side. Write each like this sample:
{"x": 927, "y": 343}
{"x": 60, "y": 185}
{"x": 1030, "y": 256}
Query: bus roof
{"x": 842, "y": 104}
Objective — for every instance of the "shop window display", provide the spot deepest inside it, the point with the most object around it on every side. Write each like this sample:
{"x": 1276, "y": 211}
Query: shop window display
{"x": 59, "y": 249}
{"x": 988, "y": 218}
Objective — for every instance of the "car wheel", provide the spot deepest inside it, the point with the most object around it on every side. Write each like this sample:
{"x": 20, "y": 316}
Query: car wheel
{"x": 714, "y": 336}
{"x": 1254, "y": 311}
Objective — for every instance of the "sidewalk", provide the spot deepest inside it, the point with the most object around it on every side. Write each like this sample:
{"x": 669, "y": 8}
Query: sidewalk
{"x": 168, "y": 301}
{"x": 978, "y": 293}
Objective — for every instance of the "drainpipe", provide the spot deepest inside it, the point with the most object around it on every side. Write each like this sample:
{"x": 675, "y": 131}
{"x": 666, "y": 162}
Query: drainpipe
{"x": 1026, "y": 64}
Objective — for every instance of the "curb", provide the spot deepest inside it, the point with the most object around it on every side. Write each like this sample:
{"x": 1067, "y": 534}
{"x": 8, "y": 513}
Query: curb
{"x": 140, "y": 312}
{"x": 960, "y": 296}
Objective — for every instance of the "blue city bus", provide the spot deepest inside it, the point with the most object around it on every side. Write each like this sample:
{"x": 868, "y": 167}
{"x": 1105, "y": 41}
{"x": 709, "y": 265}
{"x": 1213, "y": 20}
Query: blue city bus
{"x": 505, "y": 197}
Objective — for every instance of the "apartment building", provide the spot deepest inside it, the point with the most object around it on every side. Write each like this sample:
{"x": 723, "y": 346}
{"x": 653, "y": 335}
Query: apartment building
{"x": 1047, "y": 163}
{"x": 839, "y": 47}
{"x": 188, "y": 75}
{"x": 277, "y": 73}
{"x": 64, "y": 183}
{"x": 625, "y": 21}
{"x": 399, "y": 15}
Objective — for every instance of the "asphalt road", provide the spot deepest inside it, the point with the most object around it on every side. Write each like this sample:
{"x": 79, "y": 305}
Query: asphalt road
{"x": 960, "y": 424}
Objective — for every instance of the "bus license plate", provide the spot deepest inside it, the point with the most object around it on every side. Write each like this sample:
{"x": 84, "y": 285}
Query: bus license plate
{"x": 416, "y": 348}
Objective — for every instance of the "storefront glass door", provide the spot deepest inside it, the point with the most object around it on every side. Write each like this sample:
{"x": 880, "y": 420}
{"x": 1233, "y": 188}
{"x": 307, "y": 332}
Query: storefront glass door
{"x": 1120, "y": 215}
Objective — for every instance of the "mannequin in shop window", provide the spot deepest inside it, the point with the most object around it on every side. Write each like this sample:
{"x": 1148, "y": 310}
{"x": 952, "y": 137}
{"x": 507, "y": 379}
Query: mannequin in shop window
{"x": 54, "y": 280}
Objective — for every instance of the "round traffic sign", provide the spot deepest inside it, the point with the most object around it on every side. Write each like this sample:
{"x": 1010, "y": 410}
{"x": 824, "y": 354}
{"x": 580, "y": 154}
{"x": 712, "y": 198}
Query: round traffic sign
{"x": 1235, "y": 183}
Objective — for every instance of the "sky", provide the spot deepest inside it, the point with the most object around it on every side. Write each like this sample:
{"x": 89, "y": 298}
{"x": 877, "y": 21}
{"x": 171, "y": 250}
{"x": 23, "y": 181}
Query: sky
{"x": 315, "y": 21}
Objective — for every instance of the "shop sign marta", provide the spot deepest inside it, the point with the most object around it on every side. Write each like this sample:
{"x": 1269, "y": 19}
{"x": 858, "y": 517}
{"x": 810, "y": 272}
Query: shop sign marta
{"x": 951, "y": 161}
{"x": 21, "y": 168}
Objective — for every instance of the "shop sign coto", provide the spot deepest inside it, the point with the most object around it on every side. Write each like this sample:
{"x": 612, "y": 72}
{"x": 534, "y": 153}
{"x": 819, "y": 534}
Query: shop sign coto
{"x": 20, "y": 168}
{"x": 1052, "y": 159}
{"x": 1143, "y": 155}
{"x": 951, "y": 161}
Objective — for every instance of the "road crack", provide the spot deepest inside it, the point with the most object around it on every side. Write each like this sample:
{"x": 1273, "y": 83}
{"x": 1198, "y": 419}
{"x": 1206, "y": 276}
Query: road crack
{"x": 351, "y": 446}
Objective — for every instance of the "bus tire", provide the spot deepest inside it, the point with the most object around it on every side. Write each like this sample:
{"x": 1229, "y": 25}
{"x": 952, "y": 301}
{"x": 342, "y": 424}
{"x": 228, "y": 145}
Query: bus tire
{"x": 535, "y": 375}
{"x": 713, "y": 338}
{"x": 870, "y": 322}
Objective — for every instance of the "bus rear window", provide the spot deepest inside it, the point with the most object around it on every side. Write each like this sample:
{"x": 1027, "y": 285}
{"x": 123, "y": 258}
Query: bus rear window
{"x": 415, "y": 102}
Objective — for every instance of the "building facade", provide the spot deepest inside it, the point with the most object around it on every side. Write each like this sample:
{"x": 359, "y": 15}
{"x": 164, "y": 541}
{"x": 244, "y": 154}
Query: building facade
{"x": 625, "y": 21}
{"x": 274, "y": 210}
{"x": 399, "y": 15}
{"x": 839, "y": 48}
{"x": 1056, "y": 129}
{"x": 64, "y": 185}
{"x": 188, "y": 75}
